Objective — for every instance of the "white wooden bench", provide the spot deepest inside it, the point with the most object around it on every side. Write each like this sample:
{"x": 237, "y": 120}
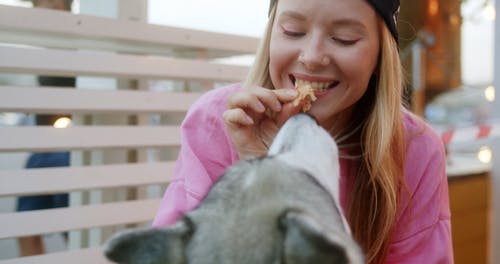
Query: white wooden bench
{"x": 121, "y": 161}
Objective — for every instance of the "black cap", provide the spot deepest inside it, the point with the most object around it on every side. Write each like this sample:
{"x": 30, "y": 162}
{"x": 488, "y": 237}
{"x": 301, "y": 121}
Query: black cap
{"x": 387, "y": 9}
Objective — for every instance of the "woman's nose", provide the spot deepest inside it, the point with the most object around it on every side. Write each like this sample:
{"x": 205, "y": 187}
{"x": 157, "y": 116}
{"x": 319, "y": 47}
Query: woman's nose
{"x": 314, "y": 55}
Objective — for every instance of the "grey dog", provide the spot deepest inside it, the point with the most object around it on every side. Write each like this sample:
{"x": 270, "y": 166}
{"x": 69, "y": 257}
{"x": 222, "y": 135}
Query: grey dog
{"x": 281, "y": 208}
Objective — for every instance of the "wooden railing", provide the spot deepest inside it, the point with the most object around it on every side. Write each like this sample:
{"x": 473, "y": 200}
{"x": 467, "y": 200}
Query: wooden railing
{"x": 123, "y": 139}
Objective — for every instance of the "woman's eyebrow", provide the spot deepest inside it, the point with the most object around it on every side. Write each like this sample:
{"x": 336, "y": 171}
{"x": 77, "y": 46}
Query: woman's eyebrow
{"x": 351, "y": 23}
{"x": 293, "y": 14}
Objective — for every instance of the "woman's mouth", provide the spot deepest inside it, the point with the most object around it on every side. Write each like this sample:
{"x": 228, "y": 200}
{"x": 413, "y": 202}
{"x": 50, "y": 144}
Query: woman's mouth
{"x": 318, "y": 86}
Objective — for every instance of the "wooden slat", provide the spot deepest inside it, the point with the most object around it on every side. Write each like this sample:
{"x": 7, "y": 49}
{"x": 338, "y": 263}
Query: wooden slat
{"x": 28, "y": 99}
{"x": 73, "y": 218}
{"x": 72, "y": 63}
{"x": 82, "y": 256}
{"x": 66, "y": 179}
{"x": 91, "y": 137}
{"x": 61, "y": 29}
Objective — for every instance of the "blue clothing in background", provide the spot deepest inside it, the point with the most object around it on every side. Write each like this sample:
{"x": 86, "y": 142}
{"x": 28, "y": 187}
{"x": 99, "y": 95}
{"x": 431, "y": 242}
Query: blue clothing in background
{"x": 38, "y": 202}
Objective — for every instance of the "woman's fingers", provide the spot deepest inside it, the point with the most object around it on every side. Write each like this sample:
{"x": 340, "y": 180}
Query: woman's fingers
{"x": 259, "y": 99}
{"x": 243, "y": 134}
{"x": 245, "y": 100}
{"x": 258, "y": 102}
{"x": 285, "y": 95}
{"x": 254, "y": 116}
{"x": 272, "y": 99}
{"x": 237, "y": 117}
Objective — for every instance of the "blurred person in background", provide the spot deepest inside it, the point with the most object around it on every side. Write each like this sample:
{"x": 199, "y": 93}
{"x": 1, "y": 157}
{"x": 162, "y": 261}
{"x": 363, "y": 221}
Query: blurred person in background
{"x": 33, "y": 245}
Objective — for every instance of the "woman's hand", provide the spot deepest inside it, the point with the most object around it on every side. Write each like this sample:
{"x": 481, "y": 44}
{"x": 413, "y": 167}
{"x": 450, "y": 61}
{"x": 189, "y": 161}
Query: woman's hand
{"x": 254, "y": 116}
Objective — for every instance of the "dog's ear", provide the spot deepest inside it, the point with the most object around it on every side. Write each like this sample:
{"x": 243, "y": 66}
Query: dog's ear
{"x": 307, "y": 241}
{"x": 151, "y": 245}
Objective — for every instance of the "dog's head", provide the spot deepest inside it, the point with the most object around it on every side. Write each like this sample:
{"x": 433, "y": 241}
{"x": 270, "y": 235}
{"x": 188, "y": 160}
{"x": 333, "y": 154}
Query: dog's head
{"x": 281, "y": 208}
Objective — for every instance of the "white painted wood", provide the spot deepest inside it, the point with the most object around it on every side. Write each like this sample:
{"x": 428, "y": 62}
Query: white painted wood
{"x": 64, "y": 179}
{"x": 83, "y": 256}
{"x": 57, "y": 100}
{"x": 133, "y": 10}
{"x": 133, "y": 52}
{"x": 61, "y": 29}
{"x": 70, "y": 63}
{"x": 70, "y": 218}
{"x": 86, "y": 137}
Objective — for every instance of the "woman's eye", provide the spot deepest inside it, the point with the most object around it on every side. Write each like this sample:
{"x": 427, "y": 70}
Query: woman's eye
{"x": 345, "y": 42}
{"x": 292, "y": 33}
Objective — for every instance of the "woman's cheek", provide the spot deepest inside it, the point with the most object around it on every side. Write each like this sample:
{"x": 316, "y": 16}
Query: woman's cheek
{"x": 277, "y": 63}
{"x": 355, "y": 65}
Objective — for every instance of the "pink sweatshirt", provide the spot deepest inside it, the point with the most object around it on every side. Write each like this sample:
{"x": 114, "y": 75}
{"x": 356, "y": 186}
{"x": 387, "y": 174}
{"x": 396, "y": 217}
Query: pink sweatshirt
{"x": 423, "y": 229}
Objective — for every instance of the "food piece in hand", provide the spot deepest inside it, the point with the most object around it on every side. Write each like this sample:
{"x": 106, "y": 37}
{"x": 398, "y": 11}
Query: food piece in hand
{"x": 305, "y": 96}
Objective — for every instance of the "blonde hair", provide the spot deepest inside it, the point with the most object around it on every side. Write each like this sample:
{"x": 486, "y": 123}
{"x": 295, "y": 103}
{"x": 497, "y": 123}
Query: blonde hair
{"x": 259, "y": 72}
{"x": 376, "y": 188}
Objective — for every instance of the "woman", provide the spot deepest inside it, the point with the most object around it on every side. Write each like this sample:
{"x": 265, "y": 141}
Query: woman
{"x": 393, "y": 183}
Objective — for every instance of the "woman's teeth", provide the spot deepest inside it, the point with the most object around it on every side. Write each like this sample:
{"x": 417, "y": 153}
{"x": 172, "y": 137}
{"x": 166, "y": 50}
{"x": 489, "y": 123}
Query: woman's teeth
{"x": 318, "y": 86}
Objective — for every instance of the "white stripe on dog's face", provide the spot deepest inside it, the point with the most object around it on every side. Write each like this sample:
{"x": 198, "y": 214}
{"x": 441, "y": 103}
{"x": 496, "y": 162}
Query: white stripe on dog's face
{"x": 303, "y": 144}
{"x": 301, "y": 134}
